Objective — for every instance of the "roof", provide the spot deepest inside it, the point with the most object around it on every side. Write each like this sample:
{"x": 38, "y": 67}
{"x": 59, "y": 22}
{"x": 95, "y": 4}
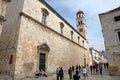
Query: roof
{"x": 113, "y": 10}
{"x": 79, "y": 12}
{"x": 94, "y": 49}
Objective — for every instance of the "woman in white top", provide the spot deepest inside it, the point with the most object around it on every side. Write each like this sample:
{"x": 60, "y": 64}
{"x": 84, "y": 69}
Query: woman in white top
{"x": 84, "y": 71}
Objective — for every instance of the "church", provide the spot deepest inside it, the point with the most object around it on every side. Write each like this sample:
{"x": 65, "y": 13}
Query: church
{"x": 35, "y": 37}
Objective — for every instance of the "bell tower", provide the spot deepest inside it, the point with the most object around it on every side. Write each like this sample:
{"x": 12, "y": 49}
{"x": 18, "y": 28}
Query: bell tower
{"x": 81, "y": 24}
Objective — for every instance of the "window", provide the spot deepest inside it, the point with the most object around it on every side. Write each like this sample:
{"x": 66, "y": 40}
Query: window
{"x": 71, "y": 35}
{"x": 80, "y": 30}
{"x": 119, "y": 35}
{"x": 95, "y": 57}
{"x": 44, "y": 18}
{"x": 117, "y": 18}
{"x": 78, "y": 16}
{"x": 81, "y": 22}
{"x": 44, "y": 15}
{"x": 83, "y": 42}
{"x": 78, "y": 39}
{"x": 61, "y": 27}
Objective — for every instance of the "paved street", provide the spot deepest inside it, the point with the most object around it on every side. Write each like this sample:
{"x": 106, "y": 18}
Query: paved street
{"x": 105, "y": 76}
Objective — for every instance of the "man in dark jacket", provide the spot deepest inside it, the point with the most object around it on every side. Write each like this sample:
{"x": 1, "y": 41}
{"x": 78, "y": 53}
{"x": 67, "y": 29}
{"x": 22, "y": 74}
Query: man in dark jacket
{"x": 76, "y": 76}
{"x": 61, "y": 74}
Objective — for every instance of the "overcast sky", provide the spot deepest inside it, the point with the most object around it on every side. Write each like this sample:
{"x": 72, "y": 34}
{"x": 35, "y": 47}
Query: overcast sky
{"x": 68, "y": 9}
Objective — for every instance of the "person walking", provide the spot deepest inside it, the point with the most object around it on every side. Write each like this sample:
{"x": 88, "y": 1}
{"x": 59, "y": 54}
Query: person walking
{"x": 76, "y": 67}
{"x": 61, "y": 74}
{"x": 100, "y": 69}
{"x": 76, "y": 76}
{"x": 91, "y": 69}
{"x": 57, "y": 73}
{"x": 70, "y": 73}
{"x": 94, "y": 68}
{"x": 79, "y": 68}
{"x": 72, "y": 68}
{"x": 84, "y": 72}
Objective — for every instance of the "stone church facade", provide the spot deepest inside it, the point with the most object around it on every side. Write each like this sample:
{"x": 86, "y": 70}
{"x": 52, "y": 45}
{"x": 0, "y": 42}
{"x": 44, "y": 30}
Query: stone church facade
{"x": 35, "y": 37}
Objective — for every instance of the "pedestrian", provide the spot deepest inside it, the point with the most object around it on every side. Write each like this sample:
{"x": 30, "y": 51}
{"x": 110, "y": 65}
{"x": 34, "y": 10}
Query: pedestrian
{"x": 96, "y": 67}
{"x": 100, "y": 69}
{"x": 84, "y": 72}
{"x": 91, "y": 69}
{"x": 79, "y": 67}
{"x": 76, "y": 76}
{"x": 87, "y": 68}
{"x": 57, "y": 73}
{"x": 70, "y": 73}
{"x": 72, "y": 68}
{"x": 61, "y": 74}
{"x": 107, "y": 65}
{"x": 76, "y": 67}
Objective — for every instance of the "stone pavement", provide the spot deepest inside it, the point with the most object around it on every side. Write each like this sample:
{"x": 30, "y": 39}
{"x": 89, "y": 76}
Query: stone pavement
{"x": 105, "y": 76}
{"x": 4, "y": 77}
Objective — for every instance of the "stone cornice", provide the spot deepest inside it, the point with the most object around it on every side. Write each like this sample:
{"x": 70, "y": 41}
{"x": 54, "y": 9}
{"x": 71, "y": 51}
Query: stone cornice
{"x": 45, "y": 26}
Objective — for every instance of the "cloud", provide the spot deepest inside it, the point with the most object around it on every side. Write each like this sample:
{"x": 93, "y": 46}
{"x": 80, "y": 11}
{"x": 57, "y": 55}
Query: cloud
{"x": 91, "y": 8}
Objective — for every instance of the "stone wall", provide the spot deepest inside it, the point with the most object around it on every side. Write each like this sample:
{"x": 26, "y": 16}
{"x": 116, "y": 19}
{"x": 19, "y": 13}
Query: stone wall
{"x": 63, "y": 52}
{"x": 9, "y": 37}
{"x": 23, "y": 33}
{"x": 3, "y": 5}
{"x": 110, "y": 28}
{"x": 53, "y": 19}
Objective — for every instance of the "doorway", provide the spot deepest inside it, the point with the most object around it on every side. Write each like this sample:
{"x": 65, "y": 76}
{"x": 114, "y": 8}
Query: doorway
{"x": 42, "y": 61}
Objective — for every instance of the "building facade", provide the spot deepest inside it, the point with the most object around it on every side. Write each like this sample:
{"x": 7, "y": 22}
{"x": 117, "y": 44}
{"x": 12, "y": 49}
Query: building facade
{"x": 110, "y": 22}
{"x": 3, "y": 5}
{"x": 97, "y": 57}
{"x": 35, "y": 37}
